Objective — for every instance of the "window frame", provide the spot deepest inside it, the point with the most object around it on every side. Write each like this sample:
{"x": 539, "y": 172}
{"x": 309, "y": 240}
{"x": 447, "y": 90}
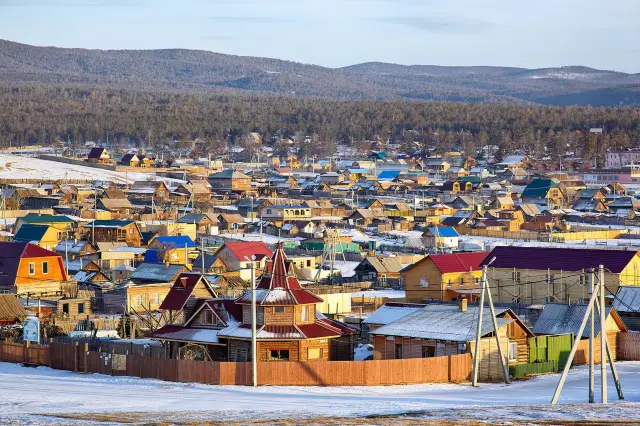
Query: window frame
{"x": 514, "y": 346}
{"x": 278, "y": 310}
{"x": 45, "y": 267}
{"x": 81, "y": 308}
{"x": 305, "y": 313}
{"x": 279, "y": 355}
{"x": 32, "y": 268}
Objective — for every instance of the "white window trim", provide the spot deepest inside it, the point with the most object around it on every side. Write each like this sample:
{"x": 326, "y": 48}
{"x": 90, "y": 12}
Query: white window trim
{"x": 32, "y": 267}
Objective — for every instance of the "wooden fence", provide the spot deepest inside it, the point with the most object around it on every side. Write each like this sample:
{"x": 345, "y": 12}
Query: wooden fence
{"x": 629, "y": 346}
{"x": 78, "y": 358}
{"x": 24, "y": 353}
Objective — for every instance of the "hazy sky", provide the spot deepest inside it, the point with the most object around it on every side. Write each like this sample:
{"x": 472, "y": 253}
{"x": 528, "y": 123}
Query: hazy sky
{"x": 528, "y": 33}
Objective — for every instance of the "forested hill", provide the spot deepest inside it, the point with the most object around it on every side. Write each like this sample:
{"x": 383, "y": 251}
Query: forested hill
{"x": 201, "y": 71}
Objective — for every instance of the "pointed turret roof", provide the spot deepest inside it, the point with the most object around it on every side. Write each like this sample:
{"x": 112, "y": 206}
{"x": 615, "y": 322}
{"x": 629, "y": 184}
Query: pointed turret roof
{"x": 278, "y": 285}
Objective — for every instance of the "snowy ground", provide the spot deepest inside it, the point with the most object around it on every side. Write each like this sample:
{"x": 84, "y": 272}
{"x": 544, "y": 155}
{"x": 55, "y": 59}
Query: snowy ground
{"x": 27, "y": 394}
{"x": 17, "y": 167}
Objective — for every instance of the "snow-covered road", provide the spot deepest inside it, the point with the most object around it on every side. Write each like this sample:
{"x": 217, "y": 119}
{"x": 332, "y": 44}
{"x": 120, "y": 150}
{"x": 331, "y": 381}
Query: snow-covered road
{"x": 27, "y": 392}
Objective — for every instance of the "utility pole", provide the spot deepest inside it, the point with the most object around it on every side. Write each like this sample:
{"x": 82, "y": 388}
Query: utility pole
{"x": 476, "y": 352}
{"x": 597, "y": 298}
{"x": 95, "y": 212}
{"x": 254, "y": 340}
{"x": 603, "y": 337}
{"x": 592, "y": 278}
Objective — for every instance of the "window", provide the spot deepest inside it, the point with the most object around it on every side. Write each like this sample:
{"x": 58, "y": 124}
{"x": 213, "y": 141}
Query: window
{"x": 513, "y": 351}
{"x": 515, "y": 277}
{"x": 268, "y": 211}
{"x": 81, "y": 308}
{"x": 383, "y": 280}
{"x": 428, "y": 351}
{"x": 139, "y": 300}
{"x": 305, "y": 313}
{"x": 279, "y": 355}
{"x": 279, "y": 309}
{"x": 45, "y": 267}
{"x": 65, "y": 308}
{"x": 461, "y": 282}
{"x": 449, "y": 283}
{"x": 209, "y": 318}
{"x": 462, "y": 348}
{"x": 476, "y": 281}
{"x": 398, "y": 351}
{"x": 32, "y": 268}
{"x": 156, "y": 298}
{"x": 424, "y": 282}
{"x": 308, "y": 263}
{"x": 314, "y": 353}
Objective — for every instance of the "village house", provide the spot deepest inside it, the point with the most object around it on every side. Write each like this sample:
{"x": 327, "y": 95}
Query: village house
{"x": 28, "y": 269}
{"x": 99, "y": 156}
{"x": 444, "y": 277}
{"x": 440, "y": 238}
{"x": 60, "y": 222}
{"x": 149, "y": 189}
{"x": 206, "y": 223}
{"x": 114, "y": 231}
{"x": 553, "y": 274}
{"x": 130, "y": 160}
{"x": 11, "y": 311}
{"x": 438, "y": 330}
{"x": 230, "y": 180}
{"x": 382, "y": 271}
{"x": 288, "y": 329}
{"x": 44, "y": 236}
{"x": 238, "y": 256}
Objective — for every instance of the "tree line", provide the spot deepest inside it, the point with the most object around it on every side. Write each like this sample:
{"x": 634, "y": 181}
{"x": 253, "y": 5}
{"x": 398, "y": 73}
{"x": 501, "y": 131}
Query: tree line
{"x": 46, "y": 115}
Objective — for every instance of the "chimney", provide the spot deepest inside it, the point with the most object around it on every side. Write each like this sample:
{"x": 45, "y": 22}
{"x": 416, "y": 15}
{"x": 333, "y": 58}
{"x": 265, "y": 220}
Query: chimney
{"x": 462, "y": 304}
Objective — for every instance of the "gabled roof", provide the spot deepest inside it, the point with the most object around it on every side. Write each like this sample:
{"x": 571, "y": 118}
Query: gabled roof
{"x": 155, "y": 272}
{"x": 457, "y": 262}
{"x": 96, "y": 152}
{"x": 442, "y": 322}
{"x": 11, "y": 309}
{"x": 229, "y": 174}
{"x": 560, "y": 318}
{"x": 36, "y": 218}
{"x": 182, "y": 289}
{"x": 558, "y": 259}
{"x": 29, "y": 232}
{"x": 246, "y": 249}
{"x": 390, "y": 312}
{"x": 627, "y": 299}
{"x": 11, "y": 253}
{"x": 444, "y": 232}
{"x": 174, "y": 241}
{"x": 387, "y": 175}
{"x": 109, "y": 223}
{"x": 382, "y": 264}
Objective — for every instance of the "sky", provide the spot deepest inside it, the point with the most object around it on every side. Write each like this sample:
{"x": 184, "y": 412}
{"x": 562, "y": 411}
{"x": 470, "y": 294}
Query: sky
{"x": 603, "y": 34}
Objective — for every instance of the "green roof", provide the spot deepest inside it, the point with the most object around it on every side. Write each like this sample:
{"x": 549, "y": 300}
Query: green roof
{"x": 28, "y": 233}
{"x": 109, "y": 223}
{"x": 46, "y": 218}
{"x": 539, "y": 188}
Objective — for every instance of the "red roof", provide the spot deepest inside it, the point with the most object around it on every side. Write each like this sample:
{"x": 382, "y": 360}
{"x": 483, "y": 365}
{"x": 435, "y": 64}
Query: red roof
{"x": 12, "y": 252}
{"x": 242, "y": 249}
{"x": 181, "y": 291}
{"x": 318, "y": 330}
{"x": 277, "y": 287}
{"x": 460, "y": 262}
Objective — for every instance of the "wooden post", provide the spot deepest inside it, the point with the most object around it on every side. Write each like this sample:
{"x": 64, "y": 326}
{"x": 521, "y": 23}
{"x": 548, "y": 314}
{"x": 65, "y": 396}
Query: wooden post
{"x": 85, "y": 353}
{"x": 25, "y": 351}
{"x": 75, "y": 357}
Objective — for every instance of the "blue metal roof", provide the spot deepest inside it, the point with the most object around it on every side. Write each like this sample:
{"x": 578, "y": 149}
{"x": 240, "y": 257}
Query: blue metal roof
{"x": 388, "y": 174}
{"x": 445, "y": 232}
{"x": 175, "y": 241}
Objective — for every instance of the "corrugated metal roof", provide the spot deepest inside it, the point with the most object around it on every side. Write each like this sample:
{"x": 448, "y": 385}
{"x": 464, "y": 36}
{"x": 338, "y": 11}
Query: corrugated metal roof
{"x": 560, "y": 318}
{"x": 627, "y": 299}
{"x": 442, "y": 322}
{"x": 390, "y": 312}
{"x": 558, "y": 259}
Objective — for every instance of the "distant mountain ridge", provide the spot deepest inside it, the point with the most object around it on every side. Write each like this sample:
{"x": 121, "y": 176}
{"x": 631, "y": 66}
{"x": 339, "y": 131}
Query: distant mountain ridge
{"x": 203, "y": 71}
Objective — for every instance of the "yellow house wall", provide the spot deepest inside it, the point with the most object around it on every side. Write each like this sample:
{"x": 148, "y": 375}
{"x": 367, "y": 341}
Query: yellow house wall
{"x": 438, "y": 282}
{"x": 533, "y": 286}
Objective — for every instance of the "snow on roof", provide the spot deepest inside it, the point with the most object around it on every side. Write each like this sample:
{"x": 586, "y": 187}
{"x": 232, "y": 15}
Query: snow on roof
{"x": 390, "y": 312}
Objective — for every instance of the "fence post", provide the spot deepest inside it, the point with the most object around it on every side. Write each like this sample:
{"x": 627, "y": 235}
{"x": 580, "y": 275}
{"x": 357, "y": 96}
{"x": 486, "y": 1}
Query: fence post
{"x": 85, "y": 353}
{"x": 25, "y": 351}
{"x": 75, "y": 357}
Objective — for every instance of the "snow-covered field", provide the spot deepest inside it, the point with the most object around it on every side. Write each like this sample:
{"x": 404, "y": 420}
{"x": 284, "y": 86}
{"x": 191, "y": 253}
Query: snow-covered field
{"x": 27, "y": 394}
{"x": 17, "y": 167}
